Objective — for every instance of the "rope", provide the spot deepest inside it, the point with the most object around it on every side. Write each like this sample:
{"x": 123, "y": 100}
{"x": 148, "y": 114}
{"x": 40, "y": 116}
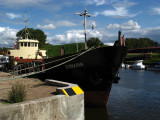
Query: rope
{"x": 33, "y": 73}
{"x": 43, "y": 63}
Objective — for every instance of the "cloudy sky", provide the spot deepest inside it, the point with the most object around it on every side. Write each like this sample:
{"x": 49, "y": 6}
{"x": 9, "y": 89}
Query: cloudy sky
{"x": 135, "y": 18}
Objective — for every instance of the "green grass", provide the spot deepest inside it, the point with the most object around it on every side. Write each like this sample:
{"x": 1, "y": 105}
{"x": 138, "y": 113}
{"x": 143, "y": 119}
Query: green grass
{"x": 17, "y": 93}
{"x": 155, "y": 58}
{"x": 55, "y": 50}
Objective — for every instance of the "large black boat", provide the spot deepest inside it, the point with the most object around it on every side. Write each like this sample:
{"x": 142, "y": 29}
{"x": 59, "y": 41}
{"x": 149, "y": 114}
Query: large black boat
{"x": 94, "y": 69}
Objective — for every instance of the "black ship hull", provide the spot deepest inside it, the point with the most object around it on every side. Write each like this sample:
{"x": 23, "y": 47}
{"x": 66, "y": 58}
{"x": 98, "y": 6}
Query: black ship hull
{"x": 94, "y": 71}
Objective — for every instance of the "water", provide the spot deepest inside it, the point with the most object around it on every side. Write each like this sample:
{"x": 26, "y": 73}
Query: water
{"x": 136, "y": 97}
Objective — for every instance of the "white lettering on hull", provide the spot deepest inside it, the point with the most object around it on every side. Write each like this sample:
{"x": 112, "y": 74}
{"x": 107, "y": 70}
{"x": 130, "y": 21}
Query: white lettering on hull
{"x": 75, "y": 65}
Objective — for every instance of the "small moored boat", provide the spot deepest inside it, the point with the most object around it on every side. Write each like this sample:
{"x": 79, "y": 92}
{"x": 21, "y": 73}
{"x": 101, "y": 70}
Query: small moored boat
{"x": 138, "y": 65}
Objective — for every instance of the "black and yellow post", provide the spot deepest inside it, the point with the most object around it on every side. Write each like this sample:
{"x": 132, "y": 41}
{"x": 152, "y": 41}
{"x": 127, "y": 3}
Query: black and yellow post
{"x": 72, "y": 91}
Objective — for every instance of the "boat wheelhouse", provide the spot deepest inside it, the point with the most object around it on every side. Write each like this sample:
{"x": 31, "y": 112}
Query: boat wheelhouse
{"x": 27, "y": 49}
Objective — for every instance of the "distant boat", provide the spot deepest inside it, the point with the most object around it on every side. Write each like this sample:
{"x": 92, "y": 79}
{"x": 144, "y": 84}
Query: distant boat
{"x": 4, "y": 60}
{"x": 156, "y": 67}
{"x": 127, "y": 66}
{"x": 138, "y": 65}
{"x": 122, "y": 65}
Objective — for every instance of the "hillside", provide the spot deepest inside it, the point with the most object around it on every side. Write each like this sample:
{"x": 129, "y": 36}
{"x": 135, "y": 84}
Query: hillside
{"x": 55, "y": 50}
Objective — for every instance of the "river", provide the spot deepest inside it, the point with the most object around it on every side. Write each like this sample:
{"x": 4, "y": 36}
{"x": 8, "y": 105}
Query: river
{"x": 136, "y": 97}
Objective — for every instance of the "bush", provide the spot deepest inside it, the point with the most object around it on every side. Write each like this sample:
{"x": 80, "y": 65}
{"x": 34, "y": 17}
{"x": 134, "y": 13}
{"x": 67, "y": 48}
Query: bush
{"x": 18, "y": 93}
{"x": 94, "y": 42}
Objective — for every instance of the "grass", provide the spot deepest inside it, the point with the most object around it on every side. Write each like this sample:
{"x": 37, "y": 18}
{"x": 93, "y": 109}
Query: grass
{"x": 17, "y": 93}
{"x": 155, "y": 58}
{"x": 55, "y": 50}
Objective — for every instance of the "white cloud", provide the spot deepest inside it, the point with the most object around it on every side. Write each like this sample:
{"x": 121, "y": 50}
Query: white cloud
{"x": 109, "y": 44}
{"x": 61, "y": 23}
{"x": 124, "y": 3}
{"x": 97, "y": 2}
{"x": 113, "y": 26}
{"x": 65, "y": 23}
{"x": 120, "y": 10}
{"x": 152, "y": 33}
{"x": 19, "y": 3}
{"x": 117, "y": 12}
{"x": 132, "y": 29}
{"x": 130, "y": 25}
{"x": 49, "y": 26}
{"x": 13, "y": 16}
{"x": 73, "y": 36}
{"x": 6, "y": 34}
{"x": 156, "y": 10}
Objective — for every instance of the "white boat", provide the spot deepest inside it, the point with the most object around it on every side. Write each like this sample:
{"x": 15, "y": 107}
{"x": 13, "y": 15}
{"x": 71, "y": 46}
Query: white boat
{"x": 127, "y": 66}
{"x": 156, "y": 67}
{"x": 122, "y": 65}
{"x": 25, "y": 49}
{"x": 138, "y": 65}
{"x": 3, "y": 61}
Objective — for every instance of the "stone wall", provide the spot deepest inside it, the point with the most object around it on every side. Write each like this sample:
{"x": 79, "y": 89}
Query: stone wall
{"x": 58, "y": 107}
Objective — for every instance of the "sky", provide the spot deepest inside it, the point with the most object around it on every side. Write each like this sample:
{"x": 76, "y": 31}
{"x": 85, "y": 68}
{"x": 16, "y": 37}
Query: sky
{"x": 135, "y": 18}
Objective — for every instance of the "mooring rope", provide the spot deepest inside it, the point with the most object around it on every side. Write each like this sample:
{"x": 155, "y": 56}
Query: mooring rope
{"x": 33, "y": 73}
{"x": 44, "y": 63}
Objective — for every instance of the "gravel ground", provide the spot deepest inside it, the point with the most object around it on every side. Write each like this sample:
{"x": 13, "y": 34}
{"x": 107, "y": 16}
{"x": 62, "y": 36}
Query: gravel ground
{"x": 35, "y": 88}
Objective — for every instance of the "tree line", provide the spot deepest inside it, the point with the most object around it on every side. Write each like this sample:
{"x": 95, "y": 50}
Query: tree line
{"x": 133, "y": 43}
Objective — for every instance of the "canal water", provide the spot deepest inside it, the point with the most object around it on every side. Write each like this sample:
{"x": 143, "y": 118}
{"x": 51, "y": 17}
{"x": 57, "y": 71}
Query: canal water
{"x": 136, "y": 97}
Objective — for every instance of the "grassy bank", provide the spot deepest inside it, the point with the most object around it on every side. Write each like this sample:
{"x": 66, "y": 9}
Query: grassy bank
{"x": 55, "y": 50}
{"x": 155, "y": 58}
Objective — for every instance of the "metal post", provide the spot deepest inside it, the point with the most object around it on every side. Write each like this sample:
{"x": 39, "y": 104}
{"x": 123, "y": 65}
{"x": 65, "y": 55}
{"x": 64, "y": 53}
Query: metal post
{"x": 86, "y": 47}
{"x": 85, "y": 14}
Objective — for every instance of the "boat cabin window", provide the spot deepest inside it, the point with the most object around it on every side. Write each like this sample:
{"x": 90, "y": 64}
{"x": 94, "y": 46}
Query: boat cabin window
{"x": 29, "y": 44}
{"x": 32, "y": 44}
{"x": 25, "y": 44}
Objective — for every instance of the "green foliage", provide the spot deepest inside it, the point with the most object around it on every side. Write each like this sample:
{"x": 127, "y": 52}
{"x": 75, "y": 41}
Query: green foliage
{"x": 94, "y": 42}
{"x": 34, "y": 34}
{"x": 18, "y": 93}
{"x": 3, "y": 49}
{"x": 55, "y": 50}
{"x": 140, "y": 43}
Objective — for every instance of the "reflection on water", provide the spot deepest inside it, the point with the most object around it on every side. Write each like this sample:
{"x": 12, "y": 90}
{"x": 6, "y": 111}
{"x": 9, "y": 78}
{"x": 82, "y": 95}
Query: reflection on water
{"x": 91, "y": 114}
{"x": 136, "y": 97}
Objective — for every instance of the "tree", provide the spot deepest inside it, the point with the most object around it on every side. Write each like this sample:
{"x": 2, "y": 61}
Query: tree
{"x": 3, "y": 49}
{"x": 93, "y": 41}
{"x": 133, "y": 43}
{"x": 34, "y": 34}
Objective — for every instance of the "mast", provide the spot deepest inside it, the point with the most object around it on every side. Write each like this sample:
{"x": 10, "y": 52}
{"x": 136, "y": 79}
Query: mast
{"x": 25, "y": 20}
{"x": 88, "y": 15}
